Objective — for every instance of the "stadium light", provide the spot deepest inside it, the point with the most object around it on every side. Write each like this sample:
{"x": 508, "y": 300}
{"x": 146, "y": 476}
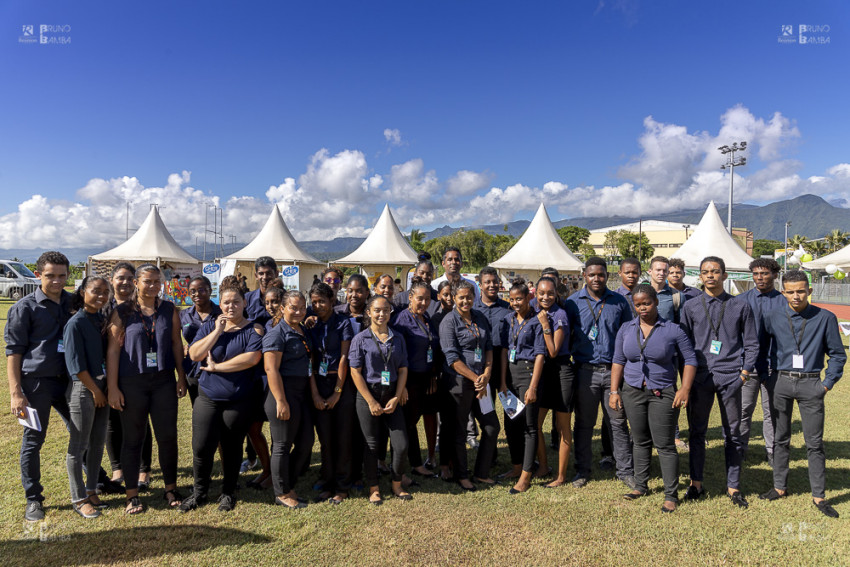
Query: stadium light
{"x": 730, "y": 164}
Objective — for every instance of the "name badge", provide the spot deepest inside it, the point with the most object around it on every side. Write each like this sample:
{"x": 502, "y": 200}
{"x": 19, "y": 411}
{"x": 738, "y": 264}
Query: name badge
{"x": 60, "y": 346}
{"x": 797, "y": 361}
{"x": 323, "y": 368}
{"x": 594, "y": 332}
{"x": 477, "y": 357}
{"x": 150, "y": 359}
{"x": 429, "y": 356}
{"x": 103, "y": 366}
{"x": 512, "y": 355}
{"x": 385, "y": 378}
{"x": 715, "y": 347}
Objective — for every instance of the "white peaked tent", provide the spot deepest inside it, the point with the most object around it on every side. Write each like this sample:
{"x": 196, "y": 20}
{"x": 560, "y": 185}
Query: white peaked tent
{"x": 712, "y": 239}
{"x": 539, "y": 247}
{"x": 841, "y": 258}
{"x": 151, "y": 243}
{"x": 383, "y": 251}
{"x": 274, "y": 240}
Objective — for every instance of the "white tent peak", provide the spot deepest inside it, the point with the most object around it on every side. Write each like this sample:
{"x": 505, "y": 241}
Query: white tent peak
{"x": 385, "y": 245}
{"x": 274, "y": 240}
{"x": 710, "y": 238}
{"x": 539, "y": 247}
{"x": 152, "y": 242}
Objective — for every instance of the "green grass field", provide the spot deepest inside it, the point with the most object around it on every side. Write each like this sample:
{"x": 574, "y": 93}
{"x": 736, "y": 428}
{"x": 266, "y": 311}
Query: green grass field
{"x": 442, "y": 525}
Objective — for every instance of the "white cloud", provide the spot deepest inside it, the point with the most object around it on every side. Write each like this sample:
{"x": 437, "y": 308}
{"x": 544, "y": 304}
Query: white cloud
{"x": 393, "y": 136}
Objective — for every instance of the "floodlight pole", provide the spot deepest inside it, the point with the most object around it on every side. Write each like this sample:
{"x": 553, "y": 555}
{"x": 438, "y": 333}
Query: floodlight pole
{"x": 730, "y": 164}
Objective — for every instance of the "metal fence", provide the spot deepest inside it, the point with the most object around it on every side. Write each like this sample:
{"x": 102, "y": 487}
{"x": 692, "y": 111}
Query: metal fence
{"x": 831, "y": 293}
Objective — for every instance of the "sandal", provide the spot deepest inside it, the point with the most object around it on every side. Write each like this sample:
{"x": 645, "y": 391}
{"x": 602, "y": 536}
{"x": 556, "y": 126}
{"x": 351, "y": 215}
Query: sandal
{"x": 173, "y": 497}
{"x": 85, "y": 509}
{"x": 95, "y": 501}
{"x": 134, "y": 506}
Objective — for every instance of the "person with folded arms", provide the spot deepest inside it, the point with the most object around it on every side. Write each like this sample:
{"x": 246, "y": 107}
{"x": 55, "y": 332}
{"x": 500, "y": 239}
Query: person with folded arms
{"x": 803, "y": 334}
{"x": 643, "y": 383}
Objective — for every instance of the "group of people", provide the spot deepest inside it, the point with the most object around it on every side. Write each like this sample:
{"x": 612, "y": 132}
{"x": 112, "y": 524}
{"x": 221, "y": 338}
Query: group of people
{"x": 113, "y": 359}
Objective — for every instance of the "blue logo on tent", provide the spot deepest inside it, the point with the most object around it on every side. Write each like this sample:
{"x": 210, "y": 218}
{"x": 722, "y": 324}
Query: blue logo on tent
{"x": 290, "y": 271}
{"x": 211, "y": 268}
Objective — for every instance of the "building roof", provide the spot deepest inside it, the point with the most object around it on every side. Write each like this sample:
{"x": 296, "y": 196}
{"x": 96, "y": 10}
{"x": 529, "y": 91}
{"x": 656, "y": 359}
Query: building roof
{"x": 539, "y": 247}
{"x": 710, "y": 238}
{"x": 152, "y": 243}
{"x": 385, "y": 246}
{"x": 274, "y": 240}
{"x": 647, "y": 225}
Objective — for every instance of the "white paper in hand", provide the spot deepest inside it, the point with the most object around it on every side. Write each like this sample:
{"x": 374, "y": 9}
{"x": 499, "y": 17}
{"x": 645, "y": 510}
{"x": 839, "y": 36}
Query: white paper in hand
{"x": 30, "y": 419}
{"x": 511, "y": 404}
{"x": 486, "y": 403}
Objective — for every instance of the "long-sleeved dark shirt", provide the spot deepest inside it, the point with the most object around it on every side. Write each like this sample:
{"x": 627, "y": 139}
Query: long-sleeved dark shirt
{"x": 84, "y": 344}
{"x": 736, "y": 332}
{"x": 34, "y": 329}
{"x": 819, "y": 337}
{"x": 255, "y": 308}
{"x": 612, "y": 311}
{"x": 761, "y": 304}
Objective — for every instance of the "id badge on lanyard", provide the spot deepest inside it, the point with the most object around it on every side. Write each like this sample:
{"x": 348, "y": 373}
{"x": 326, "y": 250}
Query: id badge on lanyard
{"x": 512, "y": 356}
{"x": 478, "y": 355}
{"x": 150, "y": 360}
{"x": 715, "y": 347}
{"x": 385, "y": 378}
{"x": 60, "y": 346}
{"x": 594, "y": 332}
{"x": 429, "y": 356}
{"x": 323, "y": 368}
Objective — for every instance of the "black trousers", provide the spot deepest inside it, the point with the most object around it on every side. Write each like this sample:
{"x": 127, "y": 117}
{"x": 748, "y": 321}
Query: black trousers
{"x": 464, "y": 403}
{"x": 335, "y": 428}
{"x": 652, "y": 421}
{"x": 285, "y": 468}
{"x": 42, "y": 394}
{"x": 151, "y": 396}
{"x": 372, "y": 426}
{"x": 214, "y": 422}
{"x": 514, "y": 428}
{"x": 809, "y": 394}
{"x": 521, "y": 372}
{"x": 417, "y": 392}
{"x": 114, "y": 442}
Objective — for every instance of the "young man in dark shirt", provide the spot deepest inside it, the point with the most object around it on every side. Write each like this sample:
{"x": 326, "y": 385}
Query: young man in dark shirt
{"x": 803, "y": 334}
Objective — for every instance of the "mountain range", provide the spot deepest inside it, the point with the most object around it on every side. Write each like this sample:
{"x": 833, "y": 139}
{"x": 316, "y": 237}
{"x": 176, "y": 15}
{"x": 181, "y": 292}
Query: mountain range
{"x": 810, "y": 215}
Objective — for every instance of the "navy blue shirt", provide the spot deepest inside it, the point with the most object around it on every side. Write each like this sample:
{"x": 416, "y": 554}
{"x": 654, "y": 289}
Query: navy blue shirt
{"x": 402, "y": 301}
{"x": 356, "y": 320}
{"x": 255, "y": 307}
{"x": 84, "y": 348}
{"x": 736, "y": 333}
{"x": 418, "y": 336}
{"x": 190, "y": 324}
{"x": 627, "y": 293}
{"x": 459, "y": 340}
{"x": 295, "y": 347}
{"x": 612, "y": 310}
{"x": 558, "y": 319}
{"x": 820, "y": 337}
{"x": 328, "y": 336}
{"x": 368, "y": 355}
{"x": 690, "y": 292}
{"x": 761, "y": 304}
{"x": 229, "y": 386}
{"x": 667, "y": 305}
{"x": 658, "y": 365}
{"x": 526, "y": 337}
{"x": 496, "y": 315}
{"x": 143, "y": 335}
{"x": 34, "y": 329}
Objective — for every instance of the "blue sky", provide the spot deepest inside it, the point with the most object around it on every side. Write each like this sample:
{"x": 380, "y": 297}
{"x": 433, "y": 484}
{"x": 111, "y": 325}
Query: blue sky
{"x": 496, "y": 106}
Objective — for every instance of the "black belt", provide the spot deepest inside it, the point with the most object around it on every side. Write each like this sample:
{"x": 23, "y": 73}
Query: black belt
{"x": 595, "y": 367}
{"x": 798, "y": 375}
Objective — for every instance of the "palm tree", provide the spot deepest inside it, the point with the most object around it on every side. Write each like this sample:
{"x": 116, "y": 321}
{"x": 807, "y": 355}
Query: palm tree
{"x": 837, "y": 239}
{"x": 817, "y": 248}
{"x": 796, "y": 241}
{"x": 415, "y": 240}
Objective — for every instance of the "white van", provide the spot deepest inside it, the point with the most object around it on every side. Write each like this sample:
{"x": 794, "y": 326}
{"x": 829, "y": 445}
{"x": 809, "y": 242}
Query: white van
{"x": 16, "y": 280}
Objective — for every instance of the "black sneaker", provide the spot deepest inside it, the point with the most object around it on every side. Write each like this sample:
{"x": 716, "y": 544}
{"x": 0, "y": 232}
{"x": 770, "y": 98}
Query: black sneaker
{"x": 693, "y": 493}
{"x": 226, "y": 502}
{"x": 738, "y": 500}
{"x": 579, "y": 481}
{"x": 34, "y": 511}
{"x": 109, "y": 486}
{"x": 772, "y": 495}
{"x": 192, "y": 502}
{"x": 825, "y": 509}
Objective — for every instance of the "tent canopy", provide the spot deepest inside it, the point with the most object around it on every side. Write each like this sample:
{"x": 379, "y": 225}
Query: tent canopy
{"x": 385, "y": 246}
{"x": 152, "y": 243}
{"x": 841, "y": 258}
{"x": 274, "y": 240}
{"x": 539, "y": 247}
{"x": 712, "y": 239}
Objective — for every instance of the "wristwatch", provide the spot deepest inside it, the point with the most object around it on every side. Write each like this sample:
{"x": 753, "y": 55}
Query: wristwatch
{"x": 615, "y": 392}
{"x": 337, "y": 389}
{"x": 547, "y": 331}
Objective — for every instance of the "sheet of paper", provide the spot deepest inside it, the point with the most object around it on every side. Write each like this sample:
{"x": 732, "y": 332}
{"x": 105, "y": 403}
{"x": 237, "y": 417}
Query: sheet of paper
{"x": 30, "y": 419}
{"x": 486, "y": 403}
{"x": 511, "y": 404}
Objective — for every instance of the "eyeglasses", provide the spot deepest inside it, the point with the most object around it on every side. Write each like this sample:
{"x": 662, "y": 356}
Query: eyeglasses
{"x": 332, "y": 280}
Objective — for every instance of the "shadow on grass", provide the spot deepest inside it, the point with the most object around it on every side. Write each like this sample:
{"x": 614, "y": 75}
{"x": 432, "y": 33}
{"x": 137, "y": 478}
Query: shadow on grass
{"x": 51, "y": 547}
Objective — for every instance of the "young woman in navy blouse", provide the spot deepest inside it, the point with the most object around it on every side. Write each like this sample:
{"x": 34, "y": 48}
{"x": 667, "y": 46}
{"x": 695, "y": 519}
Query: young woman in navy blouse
{"x": 228, "y": 349}
{"x": 378, "y": 359}
{"x": 191, "y": 321}
{"x": 445, "y": 407}
{"x": 286, "y": 356}
{"x": 145, "y": 349}
{"x": 643, "y": 381}
{"x": 524, "y": 354}
{"x": 467, "y": 345}
{"x": 332, "y": 393}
